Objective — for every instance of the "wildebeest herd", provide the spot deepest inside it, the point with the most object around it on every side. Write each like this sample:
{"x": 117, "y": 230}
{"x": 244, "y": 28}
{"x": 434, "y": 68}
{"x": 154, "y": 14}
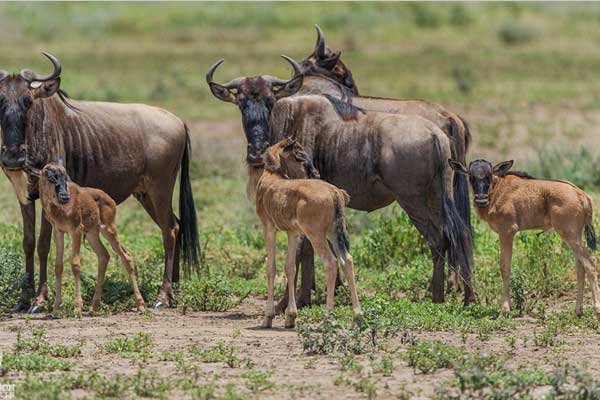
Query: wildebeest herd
{"x": 314, "y": 146}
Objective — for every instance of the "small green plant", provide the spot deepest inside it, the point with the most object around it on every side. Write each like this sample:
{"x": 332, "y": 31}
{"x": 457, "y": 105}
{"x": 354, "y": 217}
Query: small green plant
{"x": 258, "y": 381}
{"x": 429, "y": 356}
{"x": 218, "y": 353}
{"x": 211, "y": 292}
{"x": 129, "y": 346}
{"x": 149, "y": 384}
{"x": 515, "y": 32}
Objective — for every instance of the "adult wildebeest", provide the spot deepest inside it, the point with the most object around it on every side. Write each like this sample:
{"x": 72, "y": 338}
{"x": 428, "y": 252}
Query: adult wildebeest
{"x": 513, "y": 201}
{"x": 325, "y": 73}
{"x": 377, "y": 157}
{"x": 122, "y": 149}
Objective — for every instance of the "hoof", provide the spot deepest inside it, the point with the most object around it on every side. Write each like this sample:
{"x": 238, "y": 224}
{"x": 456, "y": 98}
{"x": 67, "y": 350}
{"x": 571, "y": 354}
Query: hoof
{"x": 50, "y": 317}
{"x": 36, "y": 309}
{"x": 267, "y": 323}
{"x": 20, "y": 308}
{"x": 290, "y": 322}
{"x": 359, "y": 320}
{"x": 160, "y": 304}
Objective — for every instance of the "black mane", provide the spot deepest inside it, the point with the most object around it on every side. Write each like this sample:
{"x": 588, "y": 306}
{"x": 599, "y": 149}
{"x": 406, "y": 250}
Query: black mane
{"x": 520, "y": 174}
{"x": 344, "y": 108}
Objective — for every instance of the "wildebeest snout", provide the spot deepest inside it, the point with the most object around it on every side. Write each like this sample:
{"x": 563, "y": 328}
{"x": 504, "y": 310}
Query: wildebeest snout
{"x": 482, "y": 200}
{"x": 13, "y": 156}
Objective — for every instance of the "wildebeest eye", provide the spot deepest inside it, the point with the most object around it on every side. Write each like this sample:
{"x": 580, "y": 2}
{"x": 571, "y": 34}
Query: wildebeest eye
{"x": 26, "y": 101}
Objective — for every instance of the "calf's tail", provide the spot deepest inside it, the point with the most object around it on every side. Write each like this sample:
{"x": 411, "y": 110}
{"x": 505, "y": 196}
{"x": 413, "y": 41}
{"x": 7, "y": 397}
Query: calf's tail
{"x": 341, "y": 242}
{"x": 456, "y": 234}
{"x": 188, "y": 225}
{"x": 590, "y": 232}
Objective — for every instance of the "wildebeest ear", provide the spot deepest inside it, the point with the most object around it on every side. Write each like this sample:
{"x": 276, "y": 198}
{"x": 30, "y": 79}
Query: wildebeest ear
{"x": 289, "y": 88}
{"x": 271, "y": 164}
{"x": 503, "y": 167}
{"x": 222, "y": 93}
{"x": 45, "y": 89}
{"x": 458, "y": 167}
{"x": 34, "y": 171}
{"x": 330, "y": 62}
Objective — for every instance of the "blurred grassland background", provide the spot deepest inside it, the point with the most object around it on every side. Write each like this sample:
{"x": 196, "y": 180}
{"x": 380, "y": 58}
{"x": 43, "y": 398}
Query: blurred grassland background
{"x": 523, "y": 74}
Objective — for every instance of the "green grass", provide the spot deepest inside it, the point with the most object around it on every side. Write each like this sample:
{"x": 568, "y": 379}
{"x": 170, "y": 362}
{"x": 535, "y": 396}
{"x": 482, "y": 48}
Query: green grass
{"x": 484, "y": 60}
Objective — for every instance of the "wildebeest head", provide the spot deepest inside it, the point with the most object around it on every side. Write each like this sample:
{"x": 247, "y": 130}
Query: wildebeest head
{"x": 288, "y": 159}
{"x": 54, "y": 175}
{"x": 326, "y": 62}
{"x": 255, "y": 97}
{"x": 18, "y": 92}
{"x": 480, "y": 173}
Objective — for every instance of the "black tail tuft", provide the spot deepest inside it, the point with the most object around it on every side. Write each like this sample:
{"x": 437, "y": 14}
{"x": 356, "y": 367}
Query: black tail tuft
{"x": 460, "y": 183}
{"x": 456, "y": 233}
{"x": 190, "y": 242}
{"x": 341, "y": 231}
{"x": 590, "y": 236}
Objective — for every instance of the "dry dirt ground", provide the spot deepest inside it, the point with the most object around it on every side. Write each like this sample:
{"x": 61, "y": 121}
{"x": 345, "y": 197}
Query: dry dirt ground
{"x": 295, "y": 375}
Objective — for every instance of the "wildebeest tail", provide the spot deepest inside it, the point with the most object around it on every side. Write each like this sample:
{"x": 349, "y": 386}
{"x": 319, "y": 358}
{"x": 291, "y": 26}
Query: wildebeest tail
{"x": 342, "y": 239}
{"x": 456, "y": 234}
{"x": 188, "y": 226}
{"x": 461, "y": 138}
{"x": 590, "y": 232}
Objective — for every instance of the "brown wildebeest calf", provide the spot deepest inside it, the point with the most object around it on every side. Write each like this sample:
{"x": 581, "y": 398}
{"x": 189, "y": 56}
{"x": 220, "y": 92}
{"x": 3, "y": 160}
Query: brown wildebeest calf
{"x": 309, "y": 207}
{"x": 512, "y": 201}
{"x": 76, "y": 210}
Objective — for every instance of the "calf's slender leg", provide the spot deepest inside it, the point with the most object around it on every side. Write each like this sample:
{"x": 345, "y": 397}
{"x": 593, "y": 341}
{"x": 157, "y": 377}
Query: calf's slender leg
{"x": 580, "y": 287}
{"x": 290, "y": 272}
{"x": 349, "y": 272}
{"x": 110, "y": 233}
{"x": 506, "y": 244}
{"x": 76, "y": 269}
{"x": 59, "y": 241}
{"x": 322, "y": 249}
{"x": 271, "y": 272}
{"x": 305, "y": 263}
{"x": 93, "y": 238}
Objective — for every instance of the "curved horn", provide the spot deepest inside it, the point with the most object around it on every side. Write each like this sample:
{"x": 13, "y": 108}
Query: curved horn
{"x": 281, "y": 82}
{"x": 233, "y": 84}
{"x": 3, "y": 74}
{"x": 320, "y": 45}
{"x": 31, "y": 76}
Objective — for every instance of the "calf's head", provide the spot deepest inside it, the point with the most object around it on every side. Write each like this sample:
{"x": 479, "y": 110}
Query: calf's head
{"x": 326, "y": 62}
{"x": 255, "y": 97}
{"x": 18, "y": 93}
{"x": 54, "y": 175}
{"x": 288, "y": 159}
{"x": 481, "y": 176}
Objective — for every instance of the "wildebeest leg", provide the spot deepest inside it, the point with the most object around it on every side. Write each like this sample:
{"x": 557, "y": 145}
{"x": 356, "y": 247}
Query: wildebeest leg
{"x": 93, "y": 238}
{"x": 27, "y": 293}
{"x": 290, "y": 273}
{"x": 76, "y": 269}
{"x": 305, "y": 264}
{"x": 269, "y": 233}
{"x": 426, "y": 220}
{"x": 506, "y": 244}
{"x": 349, "y": 272}
{"x": 110, "y": 233}
{"x": 162, "y": 214}
{"x": 43, "y": 248}
{"x": 59, "y": 241}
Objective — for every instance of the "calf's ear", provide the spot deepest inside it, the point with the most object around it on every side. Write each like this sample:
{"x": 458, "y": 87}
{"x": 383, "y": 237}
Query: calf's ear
{"x": 503, "y": 167}
{"x": 458, "y": 167}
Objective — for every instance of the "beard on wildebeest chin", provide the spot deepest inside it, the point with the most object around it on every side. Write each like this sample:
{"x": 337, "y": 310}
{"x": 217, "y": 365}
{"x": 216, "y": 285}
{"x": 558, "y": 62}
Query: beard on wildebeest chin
{"x": 255, "y": 119}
